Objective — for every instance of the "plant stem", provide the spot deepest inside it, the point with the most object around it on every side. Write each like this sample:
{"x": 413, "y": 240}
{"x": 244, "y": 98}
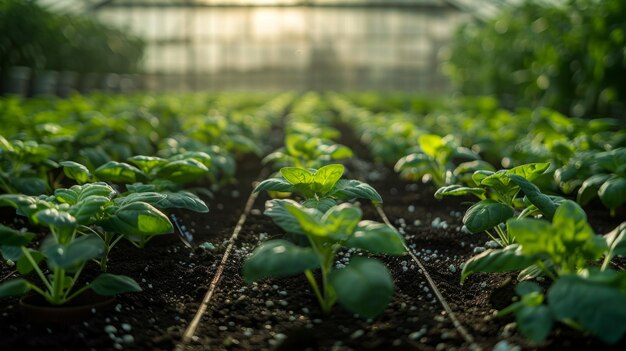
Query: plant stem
{"x": 606, "y": 262}
{"x": 316, "y": 290}
{"x": 36, "y": 268}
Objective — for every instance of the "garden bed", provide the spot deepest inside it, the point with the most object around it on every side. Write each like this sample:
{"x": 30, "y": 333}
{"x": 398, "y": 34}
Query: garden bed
{"x": 283, "y": 314}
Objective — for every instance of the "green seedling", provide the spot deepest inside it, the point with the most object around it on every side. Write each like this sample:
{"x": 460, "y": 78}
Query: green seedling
{"x": 364, "y": 286}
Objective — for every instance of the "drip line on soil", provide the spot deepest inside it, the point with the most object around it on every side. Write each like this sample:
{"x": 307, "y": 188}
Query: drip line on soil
{"x": 457, "y": 324}
{"x": 7, "y": 276}
{"x": 195, "y": 322}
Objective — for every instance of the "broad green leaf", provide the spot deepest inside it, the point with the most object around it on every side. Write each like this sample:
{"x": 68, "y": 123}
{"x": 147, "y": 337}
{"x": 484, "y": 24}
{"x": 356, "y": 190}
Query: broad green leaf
{"x": 12, "y": 237}
{"x": 411, "y": 161}
{"x": 295, "y": 175}
{"x": 182, "y": 199}
{"x": 473, "y": 166}
{"x": 88, "y": 208}
{"x": 458, "y": 190}
{"x": 119, "y": 172}
{"x": 30, "y": 185}
{"x": 500, "y": 182}
{"x": 139, "y": 219}
{"x": 599, "y": 307}
{"x": 613, "y": 192}
{"x": 55, "y": 218}
{"x": 323, "y": 204}
{"x": 76, "y": 171}
{"x": 339, "y": 152}
{"x": 79, "y": 250}
{"x": 479, "y": 175}
{"x": 535, "y": 322}
{"x": 543, "y": 202}
{"x": 277, "y": 211}
{"x": 529, "y": 171}
{"x": 354, "y": 189}
{"x": 107, "y": 284}
{"x": 14, "y": 287}
{"x": 485, "y": 215}
{"x": 150, "y": 197}
{"x": 589, "y": 189}
{"x": 23, "y": 264}
{"x": 430, "y": 144}
{"x": 199, "y": 156}
{"x": 571, "y": 221}
{"x": 364, "y": 286}
{"x": 278, "y": 258}
{"x": 13, "y": 253}
{"x": 511, "y": 258}
{"x": 325, "y": 178}
{"x": 525, "y": 288}
{"x": 341, "y": 220}
{"x": 274, "y": 184}
{"x": 183, "y": 171}
{"x": 147, "y": 163}
{"x": 307, "y": 219}
{"x": 376, "y": 238}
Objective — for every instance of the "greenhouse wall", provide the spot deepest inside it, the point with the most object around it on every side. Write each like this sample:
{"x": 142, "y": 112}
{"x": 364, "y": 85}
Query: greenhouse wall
{"x": 338, "y": 47}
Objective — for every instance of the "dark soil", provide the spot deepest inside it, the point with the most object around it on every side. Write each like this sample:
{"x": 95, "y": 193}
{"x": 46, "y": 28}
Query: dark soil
{"x": 282, "y": 314}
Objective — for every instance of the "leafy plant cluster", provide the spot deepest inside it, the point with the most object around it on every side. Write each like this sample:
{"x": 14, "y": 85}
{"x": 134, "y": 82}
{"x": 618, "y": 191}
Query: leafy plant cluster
{"x": 567, "y": 56}
{"x": 364, "y": 286}
{"x": 117, "y": 196}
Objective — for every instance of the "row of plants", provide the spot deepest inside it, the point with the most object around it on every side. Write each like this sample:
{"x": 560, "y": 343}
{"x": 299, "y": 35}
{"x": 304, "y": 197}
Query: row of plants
{"x": 566, "y": 55}
{"x": 187, "y": 151}
{"x": 524, "y": 208}
{"x": 37, "y": 38}
{"x": 312, "y": 205}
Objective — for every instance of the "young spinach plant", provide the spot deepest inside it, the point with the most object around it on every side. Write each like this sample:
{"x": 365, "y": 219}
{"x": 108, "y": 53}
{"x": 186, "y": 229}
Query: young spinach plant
{"x": 364, "y": 286}
{"x": 320, "y": 188}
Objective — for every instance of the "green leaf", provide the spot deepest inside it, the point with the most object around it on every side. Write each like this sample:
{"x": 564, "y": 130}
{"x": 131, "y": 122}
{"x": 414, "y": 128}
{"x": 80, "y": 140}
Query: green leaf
{"x": 30, "y": 185}
{"x": 107, "y": 284}
{"x": 543, "y": 202}
{"x": 486, "y": 214}
{"x": 295, "y": 175}
{"x": 458, "y": 190}
{"x": 597, "y": 306}
{"x": 534, "y": 322}
{"x": 139, "y": 219}
{"x": 430, "y": 144}
{"x": 147, "y": 163}
{"x": 613, "y": 192}
{"x": 24, "y": 266}
{"x": 529, "y": 171}
{"x": 589, "y": 189}
{"x": 416, "y": 160}
{"x": 55, "y": 218}
{"x": 87, "y": 209}
{"x": 12, "y": 237}
{"x": 76, "y": 171}
{"x": 183, "y": 199}
{"x": 278, "y": 258}
{"x": 150, "y": 197}
{"x": 341, "y": 220}
{"x": 183, "y": 171}
{"x": 277, "y": 211}
{"x": 14, "y": 287}
{"x": 511, "y": 258}
{"x": 354, "y": 189}
{"x": 307, "y": 219}
{"x": 79, "y": 250}
{"x": 274, "y": 184}
{"x": 376, "y": 238}
{"x": 325, "y": 178}
{"x": 364, "y": 286}
{"x": 119, "y": 172}
{"x": 322, "y": 204}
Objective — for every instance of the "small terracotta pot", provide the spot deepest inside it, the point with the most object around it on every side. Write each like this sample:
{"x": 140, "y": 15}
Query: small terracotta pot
{"x": 37, "y": 310}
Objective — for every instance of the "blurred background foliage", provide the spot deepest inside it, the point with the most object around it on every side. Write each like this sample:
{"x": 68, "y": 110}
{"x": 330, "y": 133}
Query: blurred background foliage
{"x": 39, "y": 39}
{"x": 568, "y": 55}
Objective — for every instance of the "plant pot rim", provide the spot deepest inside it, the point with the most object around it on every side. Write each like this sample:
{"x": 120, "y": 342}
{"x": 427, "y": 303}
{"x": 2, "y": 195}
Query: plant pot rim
{"x": 84, "y": 306}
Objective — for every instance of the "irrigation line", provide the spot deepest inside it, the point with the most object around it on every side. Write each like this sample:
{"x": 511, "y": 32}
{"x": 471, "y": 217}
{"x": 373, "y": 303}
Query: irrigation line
{"x": 457, "y": 324}
{"x": 193, "y": 326}
{"x": 7, "y": 276}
